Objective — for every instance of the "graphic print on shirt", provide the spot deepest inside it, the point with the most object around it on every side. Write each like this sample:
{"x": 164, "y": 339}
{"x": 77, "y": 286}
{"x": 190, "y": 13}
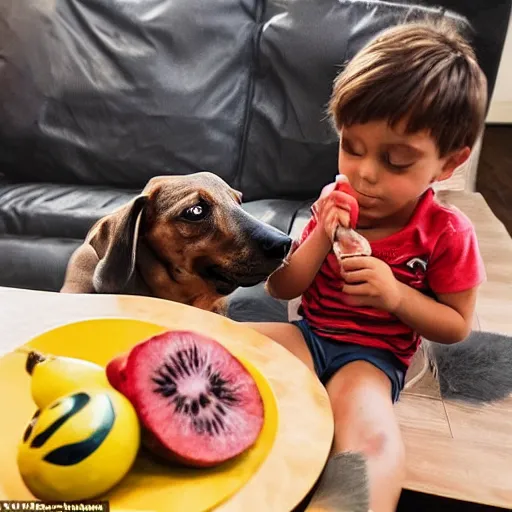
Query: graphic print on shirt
{"x": 418, "y": 271}
{"x": 409, "y": 265}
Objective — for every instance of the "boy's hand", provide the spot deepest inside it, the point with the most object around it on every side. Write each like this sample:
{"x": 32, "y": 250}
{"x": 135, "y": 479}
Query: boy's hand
{"x": 332, "y": 208}
{"x": 370, "y": 282}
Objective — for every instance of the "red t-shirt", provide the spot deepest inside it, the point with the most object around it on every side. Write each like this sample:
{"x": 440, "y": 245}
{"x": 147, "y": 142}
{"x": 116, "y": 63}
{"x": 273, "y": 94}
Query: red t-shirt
{"x": 437, "y": 252}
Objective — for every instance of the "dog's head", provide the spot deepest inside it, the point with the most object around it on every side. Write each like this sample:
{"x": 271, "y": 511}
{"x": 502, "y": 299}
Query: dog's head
{"x": 194, "y": 228}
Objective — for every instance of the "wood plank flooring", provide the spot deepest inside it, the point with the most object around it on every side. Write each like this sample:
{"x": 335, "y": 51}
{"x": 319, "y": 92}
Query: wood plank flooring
{"x": 458, "y": 451}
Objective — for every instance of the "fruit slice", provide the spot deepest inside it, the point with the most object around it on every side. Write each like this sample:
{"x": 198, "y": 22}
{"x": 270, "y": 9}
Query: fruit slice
{"x": 197, "y": 403}
{"x": 54, "y": 376}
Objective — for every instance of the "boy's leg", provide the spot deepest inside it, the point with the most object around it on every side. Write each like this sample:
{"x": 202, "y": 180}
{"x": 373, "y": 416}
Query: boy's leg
{"x": 287, "y": 335}
{"x": 365, "y": 423}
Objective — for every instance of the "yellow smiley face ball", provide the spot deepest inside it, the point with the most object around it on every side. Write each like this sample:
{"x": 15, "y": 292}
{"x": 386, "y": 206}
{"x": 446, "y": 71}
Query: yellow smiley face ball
{"x": 79, "y": 446}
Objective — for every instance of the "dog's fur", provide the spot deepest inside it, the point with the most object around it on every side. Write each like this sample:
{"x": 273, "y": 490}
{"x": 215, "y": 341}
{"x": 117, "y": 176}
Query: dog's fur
{"x": 184, "y": 238}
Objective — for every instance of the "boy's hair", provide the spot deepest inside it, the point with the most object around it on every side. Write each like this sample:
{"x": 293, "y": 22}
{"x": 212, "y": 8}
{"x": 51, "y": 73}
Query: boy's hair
{"x": 425, "y": 73}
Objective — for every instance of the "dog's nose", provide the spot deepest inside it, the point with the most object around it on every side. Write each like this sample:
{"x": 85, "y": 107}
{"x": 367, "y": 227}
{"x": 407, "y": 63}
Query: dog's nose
{"x": 276, "y": 246}
{"x": 273, "y": 243}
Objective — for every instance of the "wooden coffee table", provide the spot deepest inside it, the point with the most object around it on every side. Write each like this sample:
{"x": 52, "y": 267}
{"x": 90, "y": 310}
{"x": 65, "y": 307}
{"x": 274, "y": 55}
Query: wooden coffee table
{"x": 305, "y": 428}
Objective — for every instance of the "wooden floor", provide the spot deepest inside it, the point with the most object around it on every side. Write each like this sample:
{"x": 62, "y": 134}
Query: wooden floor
{"x": 473, "y": 442}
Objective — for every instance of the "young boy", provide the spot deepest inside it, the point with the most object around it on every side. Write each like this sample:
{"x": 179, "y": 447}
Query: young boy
{"x": 408, "y": 107}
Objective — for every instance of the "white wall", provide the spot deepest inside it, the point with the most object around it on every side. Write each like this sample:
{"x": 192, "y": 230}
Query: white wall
{"x": 500, "y": 109}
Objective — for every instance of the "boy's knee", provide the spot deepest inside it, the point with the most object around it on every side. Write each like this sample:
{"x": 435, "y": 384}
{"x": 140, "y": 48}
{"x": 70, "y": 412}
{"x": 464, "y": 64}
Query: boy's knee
{"x": 374, "y": 442}
{"x": 377, "y": 441}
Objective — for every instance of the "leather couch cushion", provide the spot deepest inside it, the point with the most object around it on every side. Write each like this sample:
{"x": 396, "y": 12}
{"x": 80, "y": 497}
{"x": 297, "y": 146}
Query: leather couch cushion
{"x": 53, "y": 210}
{"x": 34, "y": 263}
{"x": 291, "y": 146}
{"x": 279, "y": 213}
{"x": 237, "y": 87}
{"x": 68, "y": 211}
{"x": 134, "y": 89}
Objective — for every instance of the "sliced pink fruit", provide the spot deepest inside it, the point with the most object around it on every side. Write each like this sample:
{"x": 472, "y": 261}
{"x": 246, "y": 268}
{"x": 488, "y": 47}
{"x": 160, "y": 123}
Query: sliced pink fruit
{"x": 197, "y": 403}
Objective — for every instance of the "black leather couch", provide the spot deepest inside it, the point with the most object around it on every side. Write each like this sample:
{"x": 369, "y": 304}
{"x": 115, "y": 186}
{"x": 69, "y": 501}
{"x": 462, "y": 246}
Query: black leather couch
{"x": 98, "y": 96}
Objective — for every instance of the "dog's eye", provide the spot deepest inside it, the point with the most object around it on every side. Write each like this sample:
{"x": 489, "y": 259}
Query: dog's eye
{"x": 195, "y": 213}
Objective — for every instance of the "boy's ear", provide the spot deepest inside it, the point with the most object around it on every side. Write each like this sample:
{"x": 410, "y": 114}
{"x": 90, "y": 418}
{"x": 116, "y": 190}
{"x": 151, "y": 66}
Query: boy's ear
{"x": 453, "y": 162}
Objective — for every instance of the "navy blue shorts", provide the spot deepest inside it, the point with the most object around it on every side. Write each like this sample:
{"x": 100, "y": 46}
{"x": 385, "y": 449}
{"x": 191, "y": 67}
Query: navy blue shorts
{"x": 330, "y": 355}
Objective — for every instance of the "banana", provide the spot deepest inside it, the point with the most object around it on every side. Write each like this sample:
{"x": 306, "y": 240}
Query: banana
{"x": 56, "y": 376}
{"x": 79, "y": 446}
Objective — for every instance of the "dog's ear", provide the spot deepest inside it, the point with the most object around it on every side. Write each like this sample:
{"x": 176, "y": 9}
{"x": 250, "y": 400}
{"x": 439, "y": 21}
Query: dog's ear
{"x": 238, "y": 195}
{"x": 115, "y": 269}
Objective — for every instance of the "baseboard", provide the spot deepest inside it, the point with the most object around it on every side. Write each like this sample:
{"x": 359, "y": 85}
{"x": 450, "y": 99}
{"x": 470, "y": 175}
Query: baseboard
{"x": 500, "y": 112}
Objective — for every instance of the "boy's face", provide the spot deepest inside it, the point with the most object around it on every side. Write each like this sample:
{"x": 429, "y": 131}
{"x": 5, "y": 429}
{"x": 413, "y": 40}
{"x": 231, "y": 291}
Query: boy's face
{"x": 390, "y": 169}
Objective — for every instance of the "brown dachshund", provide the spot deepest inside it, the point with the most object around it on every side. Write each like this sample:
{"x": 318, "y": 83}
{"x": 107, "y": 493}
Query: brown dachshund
{"x": 184, "y": 238}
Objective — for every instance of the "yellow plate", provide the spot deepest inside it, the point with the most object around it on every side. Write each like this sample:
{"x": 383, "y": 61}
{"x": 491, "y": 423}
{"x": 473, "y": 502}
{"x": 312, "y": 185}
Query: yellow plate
{"x": 150, "y": 485}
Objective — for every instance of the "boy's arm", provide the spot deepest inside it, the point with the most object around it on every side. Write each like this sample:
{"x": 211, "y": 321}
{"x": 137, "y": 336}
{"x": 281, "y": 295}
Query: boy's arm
{"x": 331, "y": 209}
{"x": 371, "y": 282}
{"x": 454, "y": 272}
{"x": 448, "y": 320}
{"x": 293, "y": 278}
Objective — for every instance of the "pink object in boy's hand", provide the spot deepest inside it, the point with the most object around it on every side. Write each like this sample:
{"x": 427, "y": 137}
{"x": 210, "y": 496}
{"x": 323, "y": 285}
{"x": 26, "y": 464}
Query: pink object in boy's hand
{"x": 343, "y": 185}
{"x": 348, "y": 242}
{"x": 340, "y": 195}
